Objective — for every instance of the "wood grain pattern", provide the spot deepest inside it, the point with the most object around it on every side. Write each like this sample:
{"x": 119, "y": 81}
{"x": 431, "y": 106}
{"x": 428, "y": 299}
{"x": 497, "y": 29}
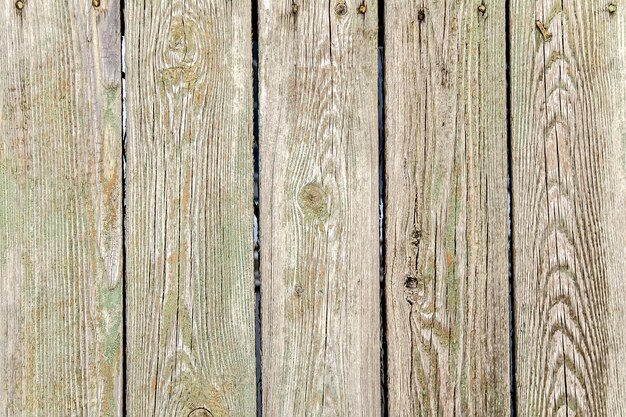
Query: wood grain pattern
{"x": 319, "y": 208}
{"x": 60, "y": 209}
{"x": 190, "y": 283}
{"x": 446, "y": 209}
{"x": 569, "y": 193}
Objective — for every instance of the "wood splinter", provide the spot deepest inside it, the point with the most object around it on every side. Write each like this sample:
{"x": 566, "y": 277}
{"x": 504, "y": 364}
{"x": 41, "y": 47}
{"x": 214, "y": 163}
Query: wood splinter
{"x": 544, "y": 32}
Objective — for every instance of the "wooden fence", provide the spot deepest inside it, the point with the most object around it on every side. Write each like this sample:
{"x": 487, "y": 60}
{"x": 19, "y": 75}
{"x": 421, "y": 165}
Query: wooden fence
{"x": 441, "y": 208}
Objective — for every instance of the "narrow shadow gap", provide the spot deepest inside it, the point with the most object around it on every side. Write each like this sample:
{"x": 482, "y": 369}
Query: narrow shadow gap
{"x": 123, "y": 156}
{"x": 381, "y": 203}
{"x": 257, "y": 256}
{"x": 512, "y": 356}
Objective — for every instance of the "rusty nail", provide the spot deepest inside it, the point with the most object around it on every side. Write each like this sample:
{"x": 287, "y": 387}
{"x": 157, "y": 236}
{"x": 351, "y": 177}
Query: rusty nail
{"x": 544, "y": 32}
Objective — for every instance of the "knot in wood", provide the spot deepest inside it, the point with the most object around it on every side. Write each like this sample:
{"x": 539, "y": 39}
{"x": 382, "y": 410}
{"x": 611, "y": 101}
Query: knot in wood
{"x": 410, "y": 283}
{"x": 299, "y": 290}
{"x": 341, "y": 8}
{"x": 178, "y": 38}
{"x": 182, "y": 61}
{"x": 413, "y": 289}
{"x": 415, "y": 238}
{"x": 200, "y": 412}
{"x": 312, "y": 201}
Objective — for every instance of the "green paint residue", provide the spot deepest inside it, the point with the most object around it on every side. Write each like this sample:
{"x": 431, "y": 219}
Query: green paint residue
{"x": 111, "y": 112}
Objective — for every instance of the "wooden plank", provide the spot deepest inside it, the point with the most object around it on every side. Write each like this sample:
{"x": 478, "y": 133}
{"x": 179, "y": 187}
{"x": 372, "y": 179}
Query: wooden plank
{"x": 568, "y": 83}
{"x": 190, "y": 283}
{"x": 319, "y": 208}
{"x": 446, "y": 214}
{"x": 60, "y": 209}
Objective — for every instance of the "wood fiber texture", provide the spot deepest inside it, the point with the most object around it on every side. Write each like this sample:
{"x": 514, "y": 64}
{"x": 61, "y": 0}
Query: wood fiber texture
{"x": 319, "y": 208}
{"x": 190, "y": 283}
{"x": 446, "y": 215}
{"x": 568, "y": 89}
{"x": 60, "y": 209}
{"x": 502, "y": 205}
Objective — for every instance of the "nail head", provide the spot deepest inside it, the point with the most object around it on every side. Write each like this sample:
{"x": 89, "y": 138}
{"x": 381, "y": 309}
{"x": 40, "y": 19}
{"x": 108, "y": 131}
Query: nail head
{"x": 362, "y": 8}
{"x": 95, "y": 3}
{"x": 482, "y": 8}
{"x": 19, "y": 4}
{"x": 294, "y": 8}
{"x": 612, "y": 8}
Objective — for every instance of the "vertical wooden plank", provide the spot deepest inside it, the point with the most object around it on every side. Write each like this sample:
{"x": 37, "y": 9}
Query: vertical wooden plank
{"x": 60, "y": 209}
{"x": 319, "y": 208}
{"x": 446, "y": 208}
{"x": 568, "y": 81}
{"x": 190, "y": 283}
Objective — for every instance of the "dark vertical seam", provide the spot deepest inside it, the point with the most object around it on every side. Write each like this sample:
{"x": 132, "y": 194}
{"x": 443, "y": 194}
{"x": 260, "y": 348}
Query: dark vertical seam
{"x": 381, "y": 204}
{"x": 255, "y": 205}
{"x": 509, "y": 141}
{"x": 123, "y": 156}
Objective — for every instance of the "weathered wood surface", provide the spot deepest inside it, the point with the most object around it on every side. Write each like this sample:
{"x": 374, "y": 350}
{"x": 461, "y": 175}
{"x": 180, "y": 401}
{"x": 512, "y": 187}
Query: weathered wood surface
{"x": 190, "y": 283}
{"x": 319, "y": 208}
{"x": 568, "y": 88}
{"x": 446, "y": 209}
{"x": 60, "y": 210}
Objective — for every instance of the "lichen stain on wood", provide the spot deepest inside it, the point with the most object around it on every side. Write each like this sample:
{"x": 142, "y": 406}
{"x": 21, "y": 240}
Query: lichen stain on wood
{"x": 203, "y": 401}
{"x": 200, "y": 412}
{"x": 64, "y": 218}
